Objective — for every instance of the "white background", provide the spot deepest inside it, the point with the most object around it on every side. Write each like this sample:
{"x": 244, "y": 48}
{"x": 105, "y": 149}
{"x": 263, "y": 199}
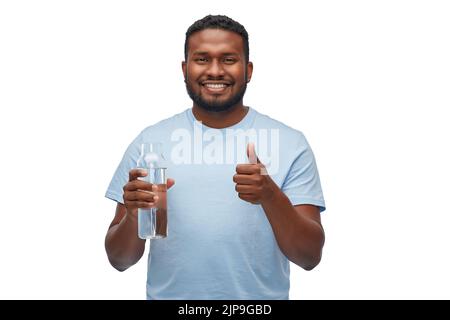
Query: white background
{"x": 368, "y": 83}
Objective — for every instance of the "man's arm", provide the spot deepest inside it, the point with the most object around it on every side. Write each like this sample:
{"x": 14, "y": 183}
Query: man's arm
{"x": 298, "y": 229}
{"x": 123, "y": 246}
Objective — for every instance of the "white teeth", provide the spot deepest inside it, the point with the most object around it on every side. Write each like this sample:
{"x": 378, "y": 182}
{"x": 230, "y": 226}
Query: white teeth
{"x": 215, "y": 85}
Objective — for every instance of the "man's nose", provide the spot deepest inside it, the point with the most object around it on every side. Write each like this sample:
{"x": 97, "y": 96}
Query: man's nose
{"x": 215, "y": 69}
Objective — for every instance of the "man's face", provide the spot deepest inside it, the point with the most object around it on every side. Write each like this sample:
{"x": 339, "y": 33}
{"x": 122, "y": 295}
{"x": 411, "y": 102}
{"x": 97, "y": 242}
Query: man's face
{"x": 216, "y": 72}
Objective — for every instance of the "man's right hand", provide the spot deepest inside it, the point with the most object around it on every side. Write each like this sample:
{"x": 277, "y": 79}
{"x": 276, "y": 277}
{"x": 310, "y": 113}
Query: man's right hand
{"x": 140, "y": 194}
{"x": 123, "y": 246}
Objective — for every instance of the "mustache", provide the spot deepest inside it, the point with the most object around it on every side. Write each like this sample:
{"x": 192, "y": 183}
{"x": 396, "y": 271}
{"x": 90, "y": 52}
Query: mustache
{"x": 211, "y": 78}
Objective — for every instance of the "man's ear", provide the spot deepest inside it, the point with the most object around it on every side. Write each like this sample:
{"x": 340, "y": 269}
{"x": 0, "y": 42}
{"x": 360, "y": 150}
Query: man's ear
{"x": 249, "y": 71}
{"x": 183, "y": 67}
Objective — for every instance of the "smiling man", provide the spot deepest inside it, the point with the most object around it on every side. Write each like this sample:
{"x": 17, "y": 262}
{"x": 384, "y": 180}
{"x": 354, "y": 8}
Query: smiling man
{"x": 218, "y": 72}
{"x": 238, "y": 212}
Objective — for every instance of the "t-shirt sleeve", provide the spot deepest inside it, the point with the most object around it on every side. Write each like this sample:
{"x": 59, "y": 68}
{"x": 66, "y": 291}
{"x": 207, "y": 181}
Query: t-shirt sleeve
{"x": 121, "y": 175}
{"x": 302, "y": 183}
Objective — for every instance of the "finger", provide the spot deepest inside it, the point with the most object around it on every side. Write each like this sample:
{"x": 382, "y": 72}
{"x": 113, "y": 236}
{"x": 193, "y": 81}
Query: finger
{"x": 170, "y": 183}
{"x": 139, "y": 196}
{"x": 136, "y": 173}
{"x": 137, "y": 185}
{"x": 252, "y": 157}
{"x": 247, "y": 168}
{"x": 244, "y": 179}
{"x": 143, "y": 204}
{"x": 244, "y": 189}
{"x": 163, "y": 187}
{"x": 247, "y": 197}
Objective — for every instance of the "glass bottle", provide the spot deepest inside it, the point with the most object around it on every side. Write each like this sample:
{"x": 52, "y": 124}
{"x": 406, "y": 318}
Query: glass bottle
{"x": 152, "y": 222}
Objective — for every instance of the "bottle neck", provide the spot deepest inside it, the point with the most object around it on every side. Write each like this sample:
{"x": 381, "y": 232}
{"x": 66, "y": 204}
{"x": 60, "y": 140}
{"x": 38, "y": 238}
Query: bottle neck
{"x": 151, "y": 147}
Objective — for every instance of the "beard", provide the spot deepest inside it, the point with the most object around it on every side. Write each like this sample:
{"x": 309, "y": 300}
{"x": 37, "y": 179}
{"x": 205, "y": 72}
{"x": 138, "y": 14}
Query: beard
{"x": 215, "y": 105}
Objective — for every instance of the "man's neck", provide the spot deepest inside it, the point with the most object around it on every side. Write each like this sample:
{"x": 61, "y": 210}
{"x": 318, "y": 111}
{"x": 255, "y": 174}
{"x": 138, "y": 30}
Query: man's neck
{"x": 222, "y": 119}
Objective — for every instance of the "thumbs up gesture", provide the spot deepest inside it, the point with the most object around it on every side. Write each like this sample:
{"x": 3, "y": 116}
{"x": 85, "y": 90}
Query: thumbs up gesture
{"x": 253, "y": 184}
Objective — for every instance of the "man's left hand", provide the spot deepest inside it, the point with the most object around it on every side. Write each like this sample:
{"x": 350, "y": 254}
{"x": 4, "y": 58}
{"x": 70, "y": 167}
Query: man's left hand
{"x": 253, "y": 184}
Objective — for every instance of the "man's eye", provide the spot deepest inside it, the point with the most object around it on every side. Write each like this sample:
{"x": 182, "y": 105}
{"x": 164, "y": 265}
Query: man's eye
{"x": 201, "y": 60}
{"x": 229, "y": 60}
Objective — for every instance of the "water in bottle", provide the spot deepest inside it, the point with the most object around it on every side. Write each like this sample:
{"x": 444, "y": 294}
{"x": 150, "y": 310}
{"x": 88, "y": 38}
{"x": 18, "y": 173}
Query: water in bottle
{"x": 152, "y": 222}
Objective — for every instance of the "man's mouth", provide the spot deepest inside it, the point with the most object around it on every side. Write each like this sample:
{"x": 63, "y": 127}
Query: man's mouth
{"x": 216, "y": 87}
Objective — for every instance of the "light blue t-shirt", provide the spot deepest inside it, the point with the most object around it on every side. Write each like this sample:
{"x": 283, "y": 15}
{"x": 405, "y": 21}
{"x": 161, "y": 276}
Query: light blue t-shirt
{"x": 219, "y": 246}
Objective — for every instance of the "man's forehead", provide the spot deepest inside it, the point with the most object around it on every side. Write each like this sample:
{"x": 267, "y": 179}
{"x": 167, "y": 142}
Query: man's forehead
{"x": 209, "y": 39}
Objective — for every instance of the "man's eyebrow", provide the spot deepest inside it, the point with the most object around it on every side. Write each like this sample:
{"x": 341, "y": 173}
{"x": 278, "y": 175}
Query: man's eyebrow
{"x": 202, "y": 53}
{"x": 199, "y": 53}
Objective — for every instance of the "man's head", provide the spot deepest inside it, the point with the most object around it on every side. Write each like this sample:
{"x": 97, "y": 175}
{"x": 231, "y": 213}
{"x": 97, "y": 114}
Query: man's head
{"x": 216, "y": 67}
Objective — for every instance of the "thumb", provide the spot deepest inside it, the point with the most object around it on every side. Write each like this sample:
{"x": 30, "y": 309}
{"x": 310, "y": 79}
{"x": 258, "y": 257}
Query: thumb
{"x": 170, "y": 183}
{"x": 252, "y": 157}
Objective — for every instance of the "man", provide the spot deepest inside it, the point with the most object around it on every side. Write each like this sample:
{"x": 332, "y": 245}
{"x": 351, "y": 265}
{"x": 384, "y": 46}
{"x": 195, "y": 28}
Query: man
{"x": 234, "y": 223}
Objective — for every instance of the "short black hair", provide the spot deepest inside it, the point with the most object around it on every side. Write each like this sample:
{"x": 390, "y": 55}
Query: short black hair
{"x": 218, "y": 22}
